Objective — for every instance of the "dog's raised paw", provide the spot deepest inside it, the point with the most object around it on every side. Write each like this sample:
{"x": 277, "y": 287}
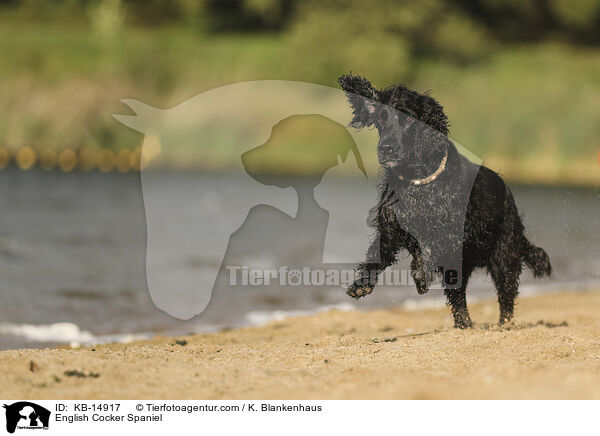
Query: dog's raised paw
{"x": 357, "y": 291}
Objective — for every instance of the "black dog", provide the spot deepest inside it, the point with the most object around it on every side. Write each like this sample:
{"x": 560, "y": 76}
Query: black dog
{"x": 451, "y": 215}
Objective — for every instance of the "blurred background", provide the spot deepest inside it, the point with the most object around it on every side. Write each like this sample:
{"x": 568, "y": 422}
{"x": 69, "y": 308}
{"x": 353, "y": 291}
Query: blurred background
{"x": 519, "y": 80}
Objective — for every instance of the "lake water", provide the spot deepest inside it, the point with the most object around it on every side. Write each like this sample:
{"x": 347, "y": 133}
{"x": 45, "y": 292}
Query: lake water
{"x": 73, "y": 250}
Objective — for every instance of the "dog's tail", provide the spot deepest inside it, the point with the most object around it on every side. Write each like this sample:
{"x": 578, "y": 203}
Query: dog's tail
{"x": 536, "y": 259}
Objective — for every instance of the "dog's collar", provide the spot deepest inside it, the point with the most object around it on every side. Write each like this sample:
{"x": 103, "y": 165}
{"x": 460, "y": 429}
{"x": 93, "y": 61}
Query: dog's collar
{"x": 431, "y": 177}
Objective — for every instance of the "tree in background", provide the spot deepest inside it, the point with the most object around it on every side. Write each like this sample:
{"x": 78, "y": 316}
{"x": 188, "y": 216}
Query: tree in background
{"x": 338, "y": 36}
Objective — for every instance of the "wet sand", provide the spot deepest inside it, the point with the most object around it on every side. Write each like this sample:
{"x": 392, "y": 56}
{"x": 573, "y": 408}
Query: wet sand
{"x": 551, "y": 351}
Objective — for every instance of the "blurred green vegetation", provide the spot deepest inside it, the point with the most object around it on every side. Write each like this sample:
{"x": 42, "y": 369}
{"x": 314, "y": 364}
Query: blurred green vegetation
{"x": 520, "y": 80}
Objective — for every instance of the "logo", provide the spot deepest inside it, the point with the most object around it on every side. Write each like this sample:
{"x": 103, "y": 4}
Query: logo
{"x": 26, "y": 415}
{"x": 251, "y": 218}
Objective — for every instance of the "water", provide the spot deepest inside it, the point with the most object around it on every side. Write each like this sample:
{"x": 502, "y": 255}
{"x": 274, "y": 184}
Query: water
{"x": 72, "y": 258}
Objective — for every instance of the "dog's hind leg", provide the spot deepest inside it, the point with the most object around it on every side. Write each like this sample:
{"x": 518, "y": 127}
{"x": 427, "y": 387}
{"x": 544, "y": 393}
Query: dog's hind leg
{"x": 505, "y": 274}
{"x": 506, "y": 260}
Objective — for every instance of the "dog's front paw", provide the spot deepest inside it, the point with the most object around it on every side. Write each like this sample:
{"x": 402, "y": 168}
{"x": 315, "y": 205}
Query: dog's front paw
{"x": 422, "y": 288}
{"x": 420, "y": 282}
{"x": 359, "y": 289}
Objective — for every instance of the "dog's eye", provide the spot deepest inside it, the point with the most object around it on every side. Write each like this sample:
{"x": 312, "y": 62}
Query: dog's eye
{"x": 381, "y": 119}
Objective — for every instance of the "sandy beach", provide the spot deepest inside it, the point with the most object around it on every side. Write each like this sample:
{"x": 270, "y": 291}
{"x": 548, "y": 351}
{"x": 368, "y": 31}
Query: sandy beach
{"x": 551, "y": 351}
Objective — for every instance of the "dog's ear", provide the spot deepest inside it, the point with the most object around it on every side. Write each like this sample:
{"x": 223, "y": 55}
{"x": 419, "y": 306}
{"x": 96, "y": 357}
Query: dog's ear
{"x": 432, "y": 113}
{"x": 421, "y": 106}
{"x": 362, "y": 97}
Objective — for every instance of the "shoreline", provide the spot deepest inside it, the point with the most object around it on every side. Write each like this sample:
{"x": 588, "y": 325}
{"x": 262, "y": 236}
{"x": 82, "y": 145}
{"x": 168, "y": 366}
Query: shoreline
{"x": 41, "y": 336}
{"x": 551, "y": 351}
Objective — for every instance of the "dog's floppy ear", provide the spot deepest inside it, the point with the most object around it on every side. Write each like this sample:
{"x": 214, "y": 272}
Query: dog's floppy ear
{"x": 362, "y": 97}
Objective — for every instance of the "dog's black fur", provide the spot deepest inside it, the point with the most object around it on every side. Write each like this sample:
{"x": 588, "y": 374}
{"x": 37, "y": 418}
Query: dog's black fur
{"x": 467, "y": 213}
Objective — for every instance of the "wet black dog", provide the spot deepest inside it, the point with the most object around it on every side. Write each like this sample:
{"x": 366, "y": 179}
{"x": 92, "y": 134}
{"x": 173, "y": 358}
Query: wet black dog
{"x": 451, "y": 215}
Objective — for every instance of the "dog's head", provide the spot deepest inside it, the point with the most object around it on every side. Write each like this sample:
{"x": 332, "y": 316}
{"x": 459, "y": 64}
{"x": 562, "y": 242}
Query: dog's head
{"x": 412, "y": 127}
